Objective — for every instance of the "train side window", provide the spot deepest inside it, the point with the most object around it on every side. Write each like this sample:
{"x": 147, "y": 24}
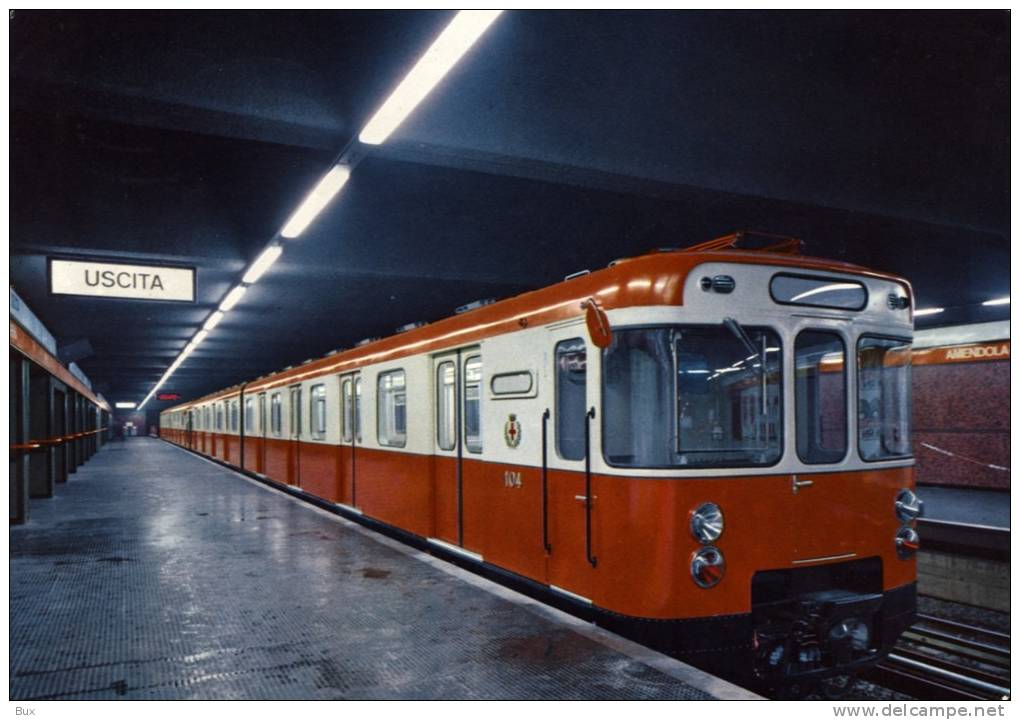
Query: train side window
{"x": 233, "y": 415}
{"x": 571, "y": 397}
{"x": 473, "y": 404}
{"x": 446, "y": 406}
{"x": 821, "y": 396}
{"x": 512, "y": 384}
{"x": 276, "y": 414}
{"x": 348, "y": 410}
{"x": 249, "y": 414}
{"x": 357, "y": 408}
{"x": 318, "y": 410}
{"x": 391, "y": 409}
{"x": 295, "y": 411}
{"x": 219, "y": 416}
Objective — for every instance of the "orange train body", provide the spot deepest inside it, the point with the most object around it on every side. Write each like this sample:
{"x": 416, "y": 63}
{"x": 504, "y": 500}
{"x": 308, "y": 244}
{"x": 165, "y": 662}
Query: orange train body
{"x": 611, "y": 542}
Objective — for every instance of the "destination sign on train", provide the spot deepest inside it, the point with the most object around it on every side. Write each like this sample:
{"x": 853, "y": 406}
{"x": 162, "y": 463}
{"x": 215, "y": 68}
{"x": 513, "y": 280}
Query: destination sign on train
{"x": 119, "y": 280}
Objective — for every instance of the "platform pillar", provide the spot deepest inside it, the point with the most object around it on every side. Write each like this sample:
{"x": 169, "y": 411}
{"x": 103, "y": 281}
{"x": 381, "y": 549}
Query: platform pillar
{"x": 59, "y": 430}
{"x": 40, "y": 420}
{"x": 19, "y": 436}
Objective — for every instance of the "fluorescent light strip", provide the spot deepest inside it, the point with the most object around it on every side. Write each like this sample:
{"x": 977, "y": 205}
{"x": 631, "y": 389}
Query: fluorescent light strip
{"x": 263, "y": 263}
{"x": 928, "y": 311}
{"x": 212, "y": 321}
{"x": 125, "y": 405}
{"x": 997, "y": 301}
{"x": 455, "y": 40}
{"x": 232, "y": 297}
{"x": 317, "y": 199}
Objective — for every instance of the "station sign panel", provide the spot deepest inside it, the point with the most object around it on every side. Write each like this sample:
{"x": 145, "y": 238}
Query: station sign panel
{"x": 168, "y": 396}
{"x": 120, "y": 280}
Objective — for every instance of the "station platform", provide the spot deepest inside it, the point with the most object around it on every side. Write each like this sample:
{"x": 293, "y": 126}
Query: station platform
{"x": 969, "y": 506}
{"x": 156, "y": 574}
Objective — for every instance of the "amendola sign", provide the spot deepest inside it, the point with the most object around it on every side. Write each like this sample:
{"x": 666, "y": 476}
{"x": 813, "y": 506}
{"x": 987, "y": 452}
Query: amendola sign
{"x": 962, "y": 353}
{"x": 118, "y": 280}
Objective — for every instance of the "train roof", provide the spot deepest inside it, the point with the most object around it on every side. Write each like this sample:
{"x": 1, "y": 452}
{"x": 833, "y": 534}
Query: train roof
{"x": 656, "y": 278}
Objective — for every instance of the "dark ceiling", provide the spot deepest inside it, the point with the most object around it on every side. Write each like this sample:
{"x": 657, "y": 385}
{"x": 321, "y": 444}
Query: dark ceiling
{"x": 561, "y": 141}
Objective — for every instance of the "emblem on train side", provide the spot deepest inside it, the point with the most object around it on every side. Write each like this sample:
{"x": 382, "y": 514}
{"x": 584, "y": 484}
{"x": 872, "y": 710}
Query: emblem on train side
{"x": 512, "y": 432}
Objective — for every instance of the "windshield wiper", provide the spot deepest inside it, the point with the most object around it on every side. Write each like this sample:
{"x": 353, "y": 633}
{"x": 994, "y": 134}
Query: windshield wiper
{"x": 734, "y": 327}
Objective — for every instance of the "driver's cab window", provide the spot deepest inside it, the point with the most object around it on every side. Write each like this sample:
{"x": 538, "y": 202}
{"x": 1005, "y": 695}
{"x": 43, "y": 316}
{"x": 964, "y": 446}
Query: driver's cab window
{"x": 571, "y": 397}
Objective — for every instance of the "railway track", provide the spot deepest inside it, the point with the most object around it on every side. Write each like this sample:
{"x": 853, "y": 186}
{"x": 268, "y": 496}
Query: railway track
{"x": 940, "y": 659}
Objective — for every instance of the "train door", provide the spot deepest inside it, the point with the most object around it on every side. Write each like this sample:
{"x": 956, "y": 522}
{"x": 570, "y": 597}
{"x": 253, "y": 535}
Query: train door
{"x": 189, "y": 429}
{"x": 350, "y": 436}
{"x": 827, "y": 501}
{"x": 571, "y": 562}
{"x": 457, "y": 378}
{"x": 294, "y": 456}
{"x": 260, "y": 457}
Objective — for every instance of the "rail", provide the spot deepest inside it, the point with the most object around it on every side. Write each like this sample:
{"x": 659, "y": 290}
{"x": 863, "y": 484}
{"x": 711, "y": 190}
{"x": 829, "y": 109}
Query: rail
{"x": 941, "y": 659}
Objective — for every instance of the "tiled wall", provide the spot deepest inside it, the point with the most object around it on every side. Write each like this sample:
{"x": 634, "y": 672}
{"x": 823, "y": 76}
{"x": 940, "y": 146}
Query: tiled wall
{"x": 962, "y": 408}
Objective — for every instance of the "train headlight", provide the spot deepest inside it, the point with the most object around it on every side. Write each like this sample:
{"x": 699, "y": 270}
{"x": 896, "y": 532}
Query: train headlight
{"x": 708, "y": 566}
{"x": 907, "y": 542}
{"x": 908, "y": 505}
{"x": 707, "y": 523}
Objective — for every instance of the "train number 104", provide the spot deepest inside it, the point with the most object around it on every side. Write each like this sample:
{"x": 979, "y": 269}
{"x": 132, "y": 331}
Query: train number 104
{"x": 512, "y": 479}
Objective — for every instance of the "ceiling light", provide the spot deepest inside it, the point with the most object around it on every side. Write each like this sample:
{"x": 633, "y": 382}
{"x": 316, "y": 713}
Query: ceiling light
{"x": 213, "y": 320}
{"x": 317, "y": 199}
{"x": 199, "y": 337}
{"x": 997, "y": 301}
{"x": 232, "y": 297}
{"x": 928, "y": 311}
{"x": 264, "y": 261}
{"x": 125, "y": 405}
{"x": 458, "y": 37}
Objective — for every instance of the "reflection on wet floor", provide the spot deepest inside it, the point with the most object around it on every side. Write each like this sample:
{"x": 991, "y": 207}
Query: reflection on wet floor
{"x": 156, "y": 574}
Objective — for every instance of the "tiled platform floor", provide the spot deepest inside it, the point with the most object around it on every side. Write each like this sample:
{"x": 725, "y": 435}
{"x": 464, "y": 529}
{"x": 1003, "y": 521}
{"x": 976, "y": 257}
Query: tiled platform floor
{"x": 156, "y": 574}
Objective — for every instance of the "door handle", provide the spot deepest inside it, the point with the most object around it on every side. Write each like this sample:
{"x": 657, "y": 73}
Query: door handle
{"x": 797, "y": 484}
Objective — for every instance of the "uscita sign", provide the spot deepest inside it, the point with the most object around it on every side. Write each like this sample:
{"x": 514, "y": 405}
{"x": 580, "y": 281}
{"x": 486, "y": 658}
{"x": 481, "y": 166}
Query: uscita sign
{"x": 117, "y": 280}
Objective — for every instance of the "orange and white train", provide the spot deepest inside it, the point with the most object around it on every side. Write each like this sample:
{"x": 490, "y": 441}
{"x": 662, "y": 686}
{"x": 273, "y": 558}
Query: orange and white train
{"x": 707, "y": 450}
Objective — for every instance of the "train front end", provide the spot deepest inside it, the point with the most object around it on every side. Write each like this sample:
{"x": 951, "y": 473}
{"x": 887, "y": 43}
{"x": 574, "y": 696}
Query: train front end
{"x": 764, "y": 430}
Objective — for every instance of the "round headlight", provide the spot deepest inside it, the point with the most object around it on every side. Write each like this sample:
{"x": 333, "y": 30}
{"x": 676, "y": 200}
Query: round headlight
{"x": 908, "y": 505}
{"x": 707, "y": 523}
{"x": 907, "y": 542}
{"x": 708, "y": 566}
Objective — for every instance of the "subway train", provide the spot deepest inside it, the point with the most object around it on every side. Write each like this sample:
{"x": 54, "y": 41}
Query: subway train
{"x": 706, "y": 450}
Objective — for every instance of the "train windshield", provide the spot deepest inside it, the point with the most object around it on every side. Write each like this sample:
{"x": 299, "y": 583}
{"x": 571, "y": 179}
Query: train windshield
{"x": 693, "y": 396}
